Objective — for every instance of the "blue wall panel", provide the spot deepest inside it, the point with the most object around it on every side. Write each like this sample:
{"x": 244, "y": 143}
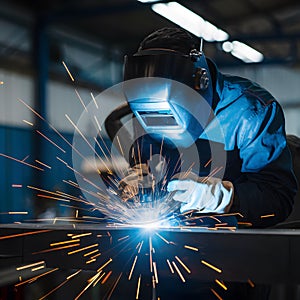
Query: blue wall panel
{"x": 19, "y": 143}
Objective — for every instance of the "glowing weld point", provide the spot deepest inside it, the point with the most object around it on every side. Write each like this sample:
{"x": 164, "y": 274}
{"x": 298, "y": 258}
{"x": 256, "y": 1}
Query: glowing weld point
{"x": 150, "y": 226}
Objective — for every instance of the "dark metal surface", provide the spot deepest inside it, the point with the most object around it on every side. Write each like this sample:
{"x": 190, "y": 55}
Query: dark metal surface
{"x": 264, "y": 256}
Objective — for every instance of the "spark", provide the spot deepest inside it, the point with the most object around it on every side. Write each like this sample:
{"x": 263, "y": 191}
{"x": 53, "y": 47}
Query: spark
{"x": 49, "y": 140}
{"x": 80, "y": 235}
{"x": 251, "y": 283}
{"x": 138, "y": 288}
{"x": 87, "y": 142}
{"x": 191, "y": 248}
{"x": 211, "y": 266}
{"x": 230, "y": 214}
{"x": 120, "y": 146}
{"x": 99, "y": 278}
{"x": 114, "y": 286}
{"x": 74, "y": 274}
{"x": 216, "y": 294}
{"x": 141, "y": 245}
{"x": 123, "y": 238}
{"x": 231, "y": 228}
{"x": 90, "y": 253}
{"x": 68, "y": 71}
{"x": 245, "y": 223}
{"x": 80, "y": 99}
{"x": 29, "y": 266}
{"x": 104, "y": 265}
{"x": 54, "y": 289}
{"x": 170, "y": 266}
{"x": 166, "y": 241}
{"x": 14, "y": 213}
{"x": 53, "y": 198}
{"x": 150, "y": 253}
{"x": 94, "y": 256}
{"x": 92, "y": 95}
{"x": 106, "y": 277}
{"x": 97, "y": 123}
{"x": 37, "y": 268}
{"x": 90, "y": 261}
{"x": 178, "y": 271}
{"x": 267, "y": 216}
{"x": 44, "y": 191}
{"x": 82, "y": 249}
{"x": 22, "y": 234}
{"x": 209, "y": 161}
{"x": 53, "y": 128}
{"x": 91, "y": 281}
{"x": 21, "y": 161}
{"x": 27, "y": 122}
{"x": 155, "y": 272}
{"x": 43, "y": 164}
{"x": 56, "y": 249}
{"x": 183, "y": 265}
{"x": 1, "y": 82}
{"x": 36, "y": 277}
{"x": 64, "y": 242}
{"x": 132, "y": 268}
{"x": 221, "y": 284}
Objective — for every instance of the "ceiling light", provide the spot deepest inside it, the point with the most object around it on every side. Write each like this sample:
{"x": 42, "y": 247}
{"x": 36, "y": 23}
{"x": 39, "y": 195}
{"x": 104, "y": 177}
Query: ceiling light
{"x": 148, "y": 1}
{"x": 243, "y": 52}
{"x": 190, "y": 21}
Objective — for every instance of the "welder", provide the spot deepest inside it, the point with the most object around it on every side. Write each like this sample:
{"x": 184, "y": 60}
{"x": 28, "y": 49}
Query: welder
{"x": 258, "y": 181}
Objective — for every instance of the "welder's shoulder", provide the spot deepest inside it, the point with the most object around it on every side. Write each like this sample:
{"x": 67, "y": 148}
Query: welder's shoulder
{"x": 250, "y": 93}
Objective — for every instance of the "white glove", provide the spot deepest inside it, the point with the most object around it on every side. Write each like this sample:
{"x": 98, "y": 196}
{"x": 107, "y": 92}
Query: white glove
{"x": 209, "y": 196}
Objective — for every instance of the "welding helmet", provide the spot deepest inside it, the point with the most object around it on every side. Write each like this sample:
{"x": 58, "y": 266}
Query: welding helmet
{"x": 170, "y": 93}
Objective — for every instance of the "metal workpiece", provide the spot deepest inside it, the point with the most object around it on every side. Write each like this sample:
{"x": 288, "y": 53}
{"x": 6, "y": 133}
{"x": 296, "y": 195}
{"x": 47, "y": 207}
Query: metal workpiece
{"x": 186, "y": 254}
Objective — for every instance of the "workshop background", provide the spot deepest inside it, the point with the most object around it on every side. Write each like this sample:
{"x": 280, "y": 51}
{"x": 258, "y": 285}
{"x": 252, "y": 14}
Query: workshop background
{"x": 39, "y": 40}
{"x": 91, "y": 38}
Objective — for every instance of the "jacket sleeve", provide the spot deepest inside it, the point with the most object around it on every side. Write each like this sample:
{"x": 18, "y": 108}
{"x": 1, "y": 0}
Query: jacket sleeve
{"x": 264, "y": 192}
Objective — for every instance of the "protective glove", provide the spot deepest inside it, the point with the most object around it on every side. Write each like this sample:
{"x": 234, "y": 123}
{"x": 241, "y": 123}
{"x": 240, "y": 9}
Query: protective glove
{"x": 205, "y": 195}
{"x": 138, "y": 178}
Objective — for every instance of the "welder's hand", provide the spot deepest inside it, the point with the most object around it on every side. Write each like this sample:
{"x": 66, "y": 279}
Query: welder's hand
{"x": 138, "y": 178}
{"x": 210, "y": 195}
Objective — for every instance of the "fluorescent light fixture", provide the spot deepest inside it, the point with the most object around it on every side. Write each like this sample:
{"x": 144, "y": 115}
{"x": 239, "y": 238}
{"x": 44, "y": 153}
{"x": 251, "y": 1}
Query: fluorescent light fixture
{"x": 190, "y": 21}
{"x": 243, "y": 52}
{"x": 148, "y": 1}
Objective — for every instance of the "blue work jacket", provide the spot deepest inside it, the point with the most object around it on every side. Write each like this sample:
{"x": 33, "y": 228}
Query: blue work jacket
{"x": 258, "y": 160}
{"x": 253, "y": 141}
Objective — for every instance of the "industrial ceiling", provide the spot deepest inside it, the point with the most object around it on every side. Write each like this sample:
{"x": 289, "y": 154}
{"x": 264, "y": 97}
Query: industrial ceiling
{"x": 270, "y": 26}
